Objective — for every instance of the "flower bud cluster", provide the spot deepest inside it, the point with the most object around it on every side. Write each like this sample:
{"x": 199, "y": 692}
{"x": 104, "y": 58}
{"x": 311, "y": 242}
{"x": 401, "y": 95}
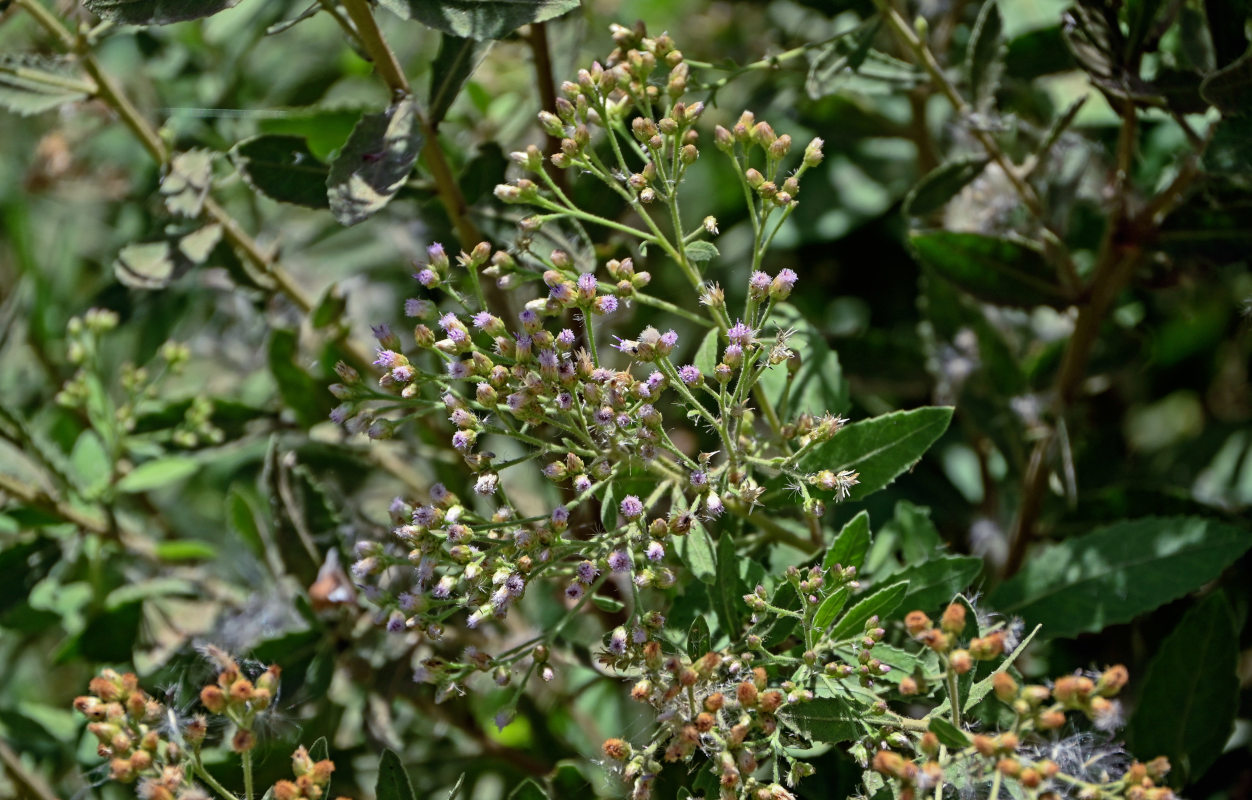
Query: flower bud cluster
{"x": 126, "y": 722}
{"x": 311, "y": 778}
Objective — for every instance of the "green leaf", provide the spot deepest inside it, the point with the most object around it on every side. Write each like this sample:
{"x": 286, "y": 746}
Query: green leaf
{"x": 699, "y": 639}
{"x": 1230, "y": 88}
{"x": 851, "y": 544}
{"x": 155, "y": 12}
{"x": 393, "y": 781}
{"x": 941, "y": 184}
{"x": 22, "y": 565}
{"x": 881, "y": 602}
{"x": 817, "y": 386}
{"x": 822, "y": 719}
{"x": 330, "y": 309}
{"x": 700, "y": 252}
{"x": 186, "y": 182}
{"x": 1117, "y": 572}
{"x": 281, "y": 167}
{"x": 528, "y": 789}
{"x": 157, "y": 473}
{"x": 774, "y": 628}
{"x": 830, "y": 64}
{"x": 154, "y": 265}
{"x": 455, "y": 62}
{"x": 479, "y": 19}
{"x": 242, "y": 519}
{"x": 375, "y": 162}
{"x": 1039, "y": 52}
{"x": 935, "y": 582}
{"x": 610, "y": 605}
{"x": 830, "y": 607}
{"x": 90, "y": 464}
{"x": 31, "y": 84}
{"x": 299, "y": 391}
{"x": 696, "y": 551}
{"x": 880, "y": 448}
{"x": 984, "y": 60}
{"x": 185, "y": 550}
{"x": 995, "y": 270}
{"x": 1230, "y": 151}
{"x": 729, "y": 588}
{"x": 1190, "y": 695}
{"x": 320, "y": 749}
{"x": 706, "y": 355}
{"x": 983, "y": 688}
{"x": 948, "y": 733}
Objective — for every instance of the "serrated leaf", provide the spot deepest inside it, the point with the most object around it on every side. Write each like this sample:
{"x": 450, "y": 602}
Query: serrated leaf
{"x": 186, "y": 182}
{"x": 31, "y": 84}
{"x": 1118, "y": 572}
{"x": 995, "y": 270}
{"x": 948, "y": 733}
{"x": 1190, "y": 695}
{"x": 850, "y": 544}
{"x": 822, "y": 719}
{"x": 155, "y": 12}
{"x": 393, "y": 781}
{"x": 609, "y": 605}
{"x": 830, "y": 608}
{"x": 941, "y": 184}
{"x": 455, "y": 62}
{"x": 375, "y": 162}
{"x": 881, "y": 448}
{"x": 700, "y": 252}
{"x": 282, "y": 168}
{"x": 528, "y": 789}
{"x": 1230, "y": 88}
{"x": 936, "y": 581}
{"x": 880, "y": 602}
{"x": 699, "y": 639}
{"x": 479, "y": 19}
{"x": 157, "y": 473}
{"x": 696, "y": 551}
{"x": 984, "y": 62}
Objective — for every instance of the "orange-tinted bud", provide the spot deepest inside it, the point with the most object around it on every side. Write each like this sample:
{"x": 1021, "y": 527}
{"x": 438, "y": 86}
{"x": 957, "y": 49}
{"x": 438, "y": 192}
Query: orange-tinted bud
{"x": 908, "y": 686}
{"x": 136, "y": 705}
{"x": 760, "y": 677}
{"x": 1112, "y": 681}
{"x": 988, "y": 647}
{"x": 985, "y": 745}
{"x": 1030, "y": 778}
{"x": 1072, "y": 691}
{"x": 1007, "y": 742}
{"x": 120, "y": 769}
{"x": 1048, "y": 767}
{"x": 1158, "y": 768}
{"x": 714, "y": 702}
{"x": 888, "y": 762}
{"x": 929, "y": 743}
{"x": 141, "y": 760}
{"x": 953, "y": 619}
{"x": 195, "y": 730}
{"x": 747, "y": 694}
{"x": 616, "y": 749}
{"x": 705, "y": 722}
{"x": 961, "y": 661}
{"x": 243, "y": 741}
{"x": 934, "y": 639}
{"x": 241, "y": 690}
{"x": 1009, "y": 767}
{"x": 213, "y": 699}
{"x": 1050, "y": 720}
{"x": 771, "y": 700}
{"x": 322, "y": 771}
{"x": 1005, "y": 687}
{"x": 286, "y": 790}
{"x": 916, "y": 622}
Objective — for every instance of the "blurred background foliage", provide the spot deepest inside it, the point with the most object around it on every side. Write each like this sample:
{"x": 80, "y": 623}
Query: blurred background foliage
{"x": 207, "y": 497}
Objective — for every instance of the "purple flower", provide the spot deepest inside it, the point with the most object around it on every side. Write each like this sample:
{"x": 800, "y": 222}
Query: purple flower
{"x": 561, "y": 293}
{"x": 713, "y": 505}
{"x": 458, "y": 369}
{"x": 601, "y": 374}
{"x": 587, "y": 571}
{"x": 547, "y": 359}
{"x": 449, "y": 321}
{"x": 463, "y": 440}
{"x": 689, "y": 375}
{"x": 386, "y": 358}
{"x": 443, "y": 589}
{"x": 436, "y": 254}
{"x": 604, "y": 304}
{"x": 529, "y": 318}
{"x": 403, "y": 373}
{"x": 669, "y": 339}
{"x": 463, "y": 418}
{"x": 438, "y": 493}
{"x": 427, "y": 277}
{"x": 623, "y": 420}
{"x": 523, "y": 347}
{"x": 565, "y": 338}
{"x": 699, "y": 479}
{"x": 574, "y": 591}
{"x": 407, "y": 601}
{"x": 733, "y": 355}
{"x": 741, "y": 334}
{"x": 655, "y": 381}
{"x": 758, "y": 284}
{"x": 786, "y": 279}
{"x": 617, "y": 642}
{"x": 486, "y": 484}
{"x": 381, "y": 332}
{"x": 638, "y": 635}
{"x": 560, "y": 515}
{"x": 565, "y": 371}
{"x": 656, "y": 551}
{"x": 564, "y": 401}
{"x": 483, "y": 319}
{"x": 619, "y": 561}
{"x": 632, "y": 507}
{"x": 395, "y": 622}
{"x": 587, "y": 284}
{"x": 339, "y": 414}
{"x": 416, "y": 308}
{"x": 581, "y": 483}
{"x": 514, "y": 585}
{"x": 515, "y": 401}
{"x": 604, "y": 416}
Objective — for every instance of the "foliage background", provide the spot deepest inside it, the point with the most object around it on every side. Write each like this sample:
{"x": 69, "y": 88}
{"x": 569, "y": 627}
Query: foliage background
{"x": 222, "y": 540}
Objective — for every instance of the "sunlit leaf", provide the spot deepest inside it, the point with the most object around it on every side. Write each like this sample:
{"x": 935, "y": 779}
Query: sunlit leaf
{"x": 479, "y": 19}
{"x": 375, "y": 162}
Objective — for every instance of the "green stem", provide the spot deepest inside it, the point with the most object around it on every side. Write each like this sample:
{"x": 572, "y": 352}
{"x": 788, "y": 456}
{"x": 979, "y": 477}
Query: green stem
{"x": 247, "y": 774}
{"x": 198, "y": 768}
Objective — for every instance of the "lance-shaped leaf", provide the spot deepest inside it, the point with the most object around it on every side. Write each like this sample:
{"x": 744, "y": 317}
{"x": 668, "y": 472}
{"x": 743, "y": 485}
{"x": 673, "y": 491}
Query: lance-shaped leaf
{"x": 155, "y": 12}
{"x": 936, "y": 581}
{"x": 31, "y": 84}
{"x": 375, "y": 162}
{"x": 941, "y": 184}
{"x": 282, "y": 168}
{"x": 1230, "y": 88}
{"x": 879, "y": 603}
{"x": 393, "y": 781}
{"x": 822, "y": 719}
{"x": 455, "y": 62}
{"x": 186, "y": 182}
{"x": 880, "y": 448}
{"x": 984, "y": 60}
{"x": 696, "y": 551}
{"x": 850, "y": 545}
{"x": 1118, "y": 572}
{"x": 995, "y": 270}
{"x": 479, "y": 19}
{"x": 1189, "y": 697}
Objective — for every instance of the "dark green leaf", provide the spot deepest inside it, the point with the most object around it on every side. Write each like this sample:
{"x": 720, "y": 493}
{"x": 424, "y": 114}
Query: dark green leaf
{"x": 1038, "y": 52}
{"x": 948, "y": 733}
{"x": 935, "y": 582}
{"x": 300, "y": 392}
{"x": 22, "y": 565}
{"x": 696, "y": 551}
{"x": 155, "y": 12}
{"x": 90, "y": 464}
{"x": 706, "y": 355}
{"x": 1230, "y": 151}
{"x": 728, "y": 588}
{"x": 822, "y": 719}
{"x": 880, "y": 602}
{"x": 984, "y": 62}
{"x": 1115, "y": 573}
{"x": 1230, "y": 88}
{"x": 455, "y": 62}
{"x": 774, "y": 628}
{"x": 393, "y": 781}
{"x": 1227, "y": 23}
{"x": 699, "y": 640}
{"x": 1190, "y": 696}
{"x": 880, "y": 448}
{"x": 242, "y": 519}
{"x": 993, "y": 269}
{"x": 1140, "y": 16}
{"x": 282, "y": 168}
{"x": 942, "y": 184}
{"x": 829, "y": 63}
{"x": 830, "y": 608}
{"x": 479, "y": 19}
{"x": 330, "y": 309}
{"x": 700, "y": 252}
{"x": 109, "y": 636}
{"x": 528, "y": 789}
{"x": 817, "y": 385}
{"x": 31, "y": 84}
{"x": 320, "y": 749}
{"x": 375, "y": 162}
{"x": 850, "y": 545}
{"x": 157, "y": 473}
